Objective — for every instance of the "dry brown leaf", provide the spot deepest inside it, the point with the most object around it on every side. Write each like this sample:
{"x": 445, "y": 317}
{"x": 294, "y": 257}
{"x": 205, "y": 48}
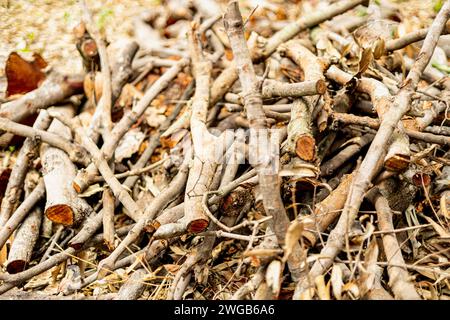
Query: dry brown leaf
{"x": 223, "y": 245}
{"x": 225, "y": 265}
{"x": 443, "y": 206}
{"x": 352, "y": 288}
{"x": 155, "y": 116}
{"x": 364, "y": 62}
{"x": 337, "y": 282}
{"x": 368, "y": 34}
{"x": 379, "y": 48}
{"x": 40, "y": 280}
{"x": 293, "y": 234}
{"x": 273, "y": 276}
{"x": 129, "y": 144}
{"x": 307, "y": 294}
{"x": 178, "y": 250}
{"x": 23, "y": 76}
{"x": 368, "y": 271}
{"x": 4, "y": 178}
{"x": 3, "y": 255}
{"x": 129, "y": 94}
{"x": 323, "y": 290}
{"x": 172, "y": 268}
{"x": 172, "y": 141}
{"x": 91, "y": 190}
{"x": 439, "y": 229}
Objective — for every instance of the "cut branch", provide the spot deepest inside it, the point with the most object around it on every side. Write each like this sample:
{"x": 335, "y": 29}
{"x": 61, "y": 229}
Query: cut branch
{"x": 228, "y": 76}
{"x": 268, "y": 180}
{"x": 370, "y": 165}
{"x": 63, "y": 204}
{"x": 85, "y": 177}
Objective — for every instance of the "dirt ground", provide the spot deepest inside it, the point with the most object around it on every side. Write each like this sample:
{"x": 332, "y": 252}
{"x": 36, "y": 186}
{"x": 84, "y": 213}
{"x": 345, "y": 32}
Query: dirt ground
{"x": 45, "y": 26}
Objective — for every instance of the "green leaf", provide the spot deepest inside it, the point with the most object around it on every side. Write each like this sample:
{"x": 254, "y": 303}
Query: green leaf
{"x": 30, "y": 36}
{"x": 66, "y": 17}
{"x": 441, "y": 67}
{"x": 361, "y": 11}
{"x": 437, "y": 5}
{"x": 104, "y": 15}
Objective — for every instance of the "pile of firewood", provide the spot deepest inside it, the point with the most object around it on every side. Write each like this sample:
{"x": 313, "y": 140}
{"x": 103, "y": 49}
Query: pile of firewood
{"x": 300, "y": 152}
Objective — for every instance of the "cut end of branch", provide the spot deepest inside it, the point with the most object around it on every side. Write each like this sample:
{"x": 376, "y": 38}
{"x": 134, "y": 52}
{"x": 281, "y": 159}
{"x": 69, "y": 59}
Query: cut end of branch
{"x": 60, "y": 213}
{"x": 321, "y": 86}
{"x": 197, "y": 225}
{"x": 398, "y": 162}
{"x": 79, "y": 186}
{"x": 306, "y": 148}
{"x": 421, "y": 179}
{"x": 16, "y": 266}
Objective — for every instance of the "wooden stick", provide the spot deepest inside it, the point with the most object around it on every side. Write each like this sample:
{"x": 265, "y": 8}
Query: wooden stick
{"x": 133, "y": 288}
{"x": 100, "y": 162}
{"x": 300, "y": 139}
{"x": 398, "y": 153}
{"x": 399, "y": 279}
{"x": 348, "y": 118}
{"x": 53, "y": 90}
{"x": 84, "y": 178}
{"x": 121, "y": 54}
{"x": 101, "y": 120}
{"x": 268, "y": 181}
{"x": 26, "y": 154}
{"x": 25, "y": 238}
{"x": 21, "y": 212}
{"x": 228, "y": 76}
{"x": 409, "y": 38}
{"x": 369, "y": 165}
{"x": 204, "y": 144}
{"x": 74, "y": 151}
{"x": 63, "y": 204}
{"x": 108, "y": 219}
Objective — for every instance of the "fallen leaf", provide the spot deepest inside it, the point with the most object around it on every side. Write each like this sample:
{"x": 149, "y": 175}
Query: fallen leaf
{"x": 23, "y": 76}
{"x": 337, "y": 282}
{"x": 368, "y": 271}
{"x": 293, "y": 234}
{"x": 273, "y": 276}
{"x": 129, "y": 144}
{"x": 150, "y": 185}
{"x": 323, "y": 290}
{"x": 352, "y": 288}
{"x": 155, "y": 116}
{"x": 178, "y": 250}
{"x": 440, "y": 230}
{"x": 364, "y": 62}
{"x": 172, "y": 268}
{"x": 91, "y": 190}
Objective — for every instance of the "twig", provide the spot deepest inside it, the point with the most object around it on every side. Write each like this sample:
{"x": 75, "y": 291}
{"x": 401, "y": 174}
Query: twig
{"x": 26, "y": 154}
{"x": 101, "y": 120}
{"x": 101, "y": 163}
{"x": 228, "y": 76}
{"x": 63, "y": 204}
{"x": 75, "y": 152}
{"x": 108, "y": 219}
{"x": 134, "y": 172}
{"x": 268, "y": 181}
{"x": 84, "y": 178}
{"x": 369, "y": 165}
{"x": 53, "y": 90}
